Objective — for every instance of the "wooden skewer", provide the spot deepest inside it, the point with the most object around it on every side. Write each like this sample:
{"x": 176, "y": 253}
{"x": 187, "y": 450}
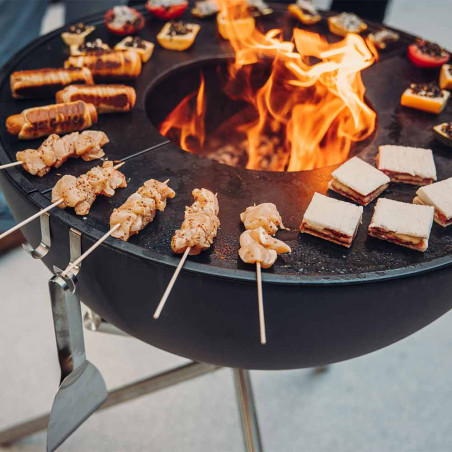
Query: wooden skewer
{"x": 41, "y": 212}
{"x": 159, "y": 309}
{"x": 9, "y": 165}
{"x": 90, "y": 250}
{"x": 28, "y": 220}
{"x": 260, "y": 302}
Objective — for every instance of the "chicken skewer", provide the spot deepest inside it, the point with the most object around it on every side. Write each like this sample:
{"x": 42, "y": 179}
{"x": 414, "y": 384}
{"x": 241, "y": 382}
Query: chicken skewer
{"x": 55, "y": 150}
{"x": 257, "y": 246}
{"x": 134, "y": 215}
{"x": 197, "y": 232}
{"x": 80, "y": 192}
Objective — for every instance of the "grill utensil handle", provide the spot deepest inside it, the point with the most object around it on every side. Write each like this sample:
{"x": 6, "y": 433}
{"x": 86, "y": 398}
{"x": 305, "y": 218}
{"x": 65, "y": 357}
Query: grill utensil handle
{"x": 66, "y": 311}
{"x": 68, "y": 323}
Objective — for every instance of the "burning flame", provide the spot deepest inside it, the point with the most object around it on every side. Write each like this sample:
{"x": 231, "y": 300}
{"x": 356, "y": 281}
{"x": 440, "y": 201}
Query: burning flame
{"x": 312, "y": 101}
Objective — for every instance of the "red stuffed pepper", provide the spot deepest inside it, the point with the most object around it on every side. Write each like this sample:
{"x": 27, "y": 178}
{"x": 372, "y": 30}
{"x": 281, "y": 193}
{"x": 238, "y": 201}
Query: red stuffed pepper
{"x": 167, "y": 9}
{"x": 122, "y": 20}
{"x": 427, "y": 54}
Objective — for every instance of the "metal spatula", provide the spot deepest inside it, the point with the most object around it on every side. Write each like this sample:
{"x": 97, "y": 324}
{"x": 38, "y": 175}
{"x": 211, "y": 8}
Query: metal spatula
{"x": 82, "y": 389}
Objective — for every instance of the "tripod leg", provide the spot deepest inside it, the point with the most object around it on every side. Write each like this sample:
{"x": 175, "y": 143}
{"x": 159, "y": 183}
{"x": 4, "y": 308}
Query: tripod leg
{"x": 248, "y": 416}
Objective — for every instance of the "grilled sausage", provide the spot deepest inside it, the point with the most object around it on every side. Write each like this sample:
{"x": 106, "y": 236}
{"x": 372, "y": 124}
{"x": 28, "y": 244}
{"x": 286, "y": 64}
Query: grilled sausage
{"x": 106, "y": 98}
{"x": 41, "y": 83}
{"x": 114, "y": 65}
{"x": 59, "y": 118}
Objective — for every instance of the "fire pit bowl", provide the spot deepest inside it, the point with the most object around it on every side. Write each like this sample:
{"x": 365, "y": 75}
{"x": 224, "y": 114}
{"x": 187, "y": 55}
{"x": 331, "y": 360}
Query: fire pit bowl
{"x": 323, "y": 303}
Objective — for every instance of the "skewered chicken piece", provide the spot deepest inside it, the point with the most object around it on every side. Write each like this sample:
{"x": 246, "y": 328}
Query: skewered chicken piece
{"x": 55, "y": 150}
{"x": 264, "y": 215}
{"x": 258, "y": 246}
{"x": 195, "y": 235}
{"x": 140, "y": 209}
{"x": 80, "y": 192}
{"x": 132, "y": 216}
{"x": 200, "y": 225}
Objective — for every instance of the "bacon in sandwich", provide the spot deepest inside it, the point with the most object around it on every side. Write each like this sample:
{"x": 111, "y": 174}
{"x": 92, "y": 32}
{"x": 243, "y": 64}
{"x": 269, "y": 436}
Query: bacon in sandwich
{"x": 438, "y": 195}
{"x": 359, "y": 181}
{"x": 401, "y": 223}
{"x": 407, "y": 165}
{"x": 331, "y": 219}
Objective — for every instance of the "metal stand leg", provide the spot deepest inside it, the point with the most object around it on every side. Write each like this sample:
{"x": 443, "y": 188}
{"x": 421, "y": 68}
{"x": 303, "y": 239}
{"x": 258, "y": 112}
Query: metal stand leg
{"x": 248, "y": 416}
{"x": 71, "y": 351}
{"x": 94, "y": 322}
{"x": 115, "y": 397}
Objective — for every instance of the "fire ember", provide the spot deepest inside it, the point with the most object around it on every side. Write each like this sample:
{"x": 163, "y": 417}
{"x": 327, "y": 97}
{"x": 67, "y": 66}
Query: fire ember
{"x": 304, "y": 101}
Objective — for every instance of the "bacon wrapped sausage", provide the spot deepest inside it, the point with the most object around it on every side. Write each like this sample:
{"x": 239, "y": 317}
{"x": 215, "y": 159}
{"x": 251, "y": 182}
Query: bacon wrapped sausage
{"x": 106, "y": 98}
{"x": 54, "y": 151}
{"x": 58, "y": 118}
{"x": 200, "y": 224}
{"x": 41, "y": 83}
{"x": 80, "y": 192}
{"x": 140, "y": 208}
{"x": 114, "y": 65}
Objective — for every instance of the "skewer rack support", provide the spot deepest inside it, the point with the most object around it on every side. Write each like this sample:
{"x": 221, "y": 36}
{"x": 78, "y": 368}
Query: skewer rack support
{"x": 44, "y": 246}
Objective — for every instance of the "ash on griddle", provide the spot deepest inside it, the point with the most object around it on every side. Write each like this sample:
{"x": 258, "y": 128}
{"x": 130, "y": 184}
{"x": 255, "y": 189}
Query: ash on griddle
{"x": 271, "y": 154}
{"x": 427, "y": 89}
{"x": 229, "y": 154}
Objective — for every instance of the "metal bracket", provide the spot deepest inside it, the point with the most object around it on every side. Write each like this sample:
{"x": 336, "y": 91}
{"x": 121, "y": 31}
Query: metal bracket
{"x": 94, "y": 322}
{"x": 44, "y": 246}
{"x": 75, "y": 249}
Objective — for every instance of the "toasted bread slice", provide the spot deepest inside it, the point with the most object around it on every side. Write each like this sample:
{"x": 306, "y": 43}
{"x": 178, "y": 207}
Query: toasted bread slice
{"x": 404, "y": 224}
{"x": 332, "y": 220}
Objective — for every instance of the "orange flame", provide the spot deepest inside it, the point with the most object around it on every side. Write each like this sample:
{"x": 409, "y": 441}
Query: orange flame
{"x": 185, "y": 125}
{"x": 313, "y": 99}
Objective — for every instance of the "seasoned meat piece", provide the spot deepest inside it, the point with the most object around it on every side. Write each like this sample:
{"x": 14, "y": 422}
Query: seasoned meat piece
{"x": 115, "y": 179}
{"x": 54, "y": 151}
{"x": 89, "y": 144}
{"x": 68, "y": 189}
{"x": 81, "y": 192}
{"x": 33, "y": 162}
{"x": 264, "y": 215}
{"x": 158, "y": 191}
{"x": 140, "y": 208}
{"x": 256, "y": 245}
{"x": 200, "y": 224}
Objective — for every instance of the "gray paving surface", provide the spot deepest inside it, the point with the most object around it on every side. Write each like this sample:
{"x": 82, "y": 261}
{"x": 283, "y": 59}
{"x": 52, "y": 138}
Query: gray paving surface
{"x": 397, "y": 399}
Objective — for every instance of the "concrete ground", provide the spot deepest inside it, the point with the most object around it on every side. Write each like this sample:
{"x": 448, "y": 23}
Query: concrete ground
{"x": 398, "y": 399}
